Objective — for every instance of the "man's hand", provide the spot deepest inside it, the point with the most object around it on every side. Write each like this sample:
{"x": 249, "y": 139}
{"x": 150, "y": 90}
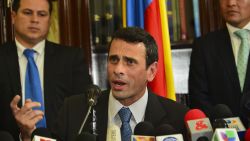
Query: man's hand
{"x": 26, "y": 118}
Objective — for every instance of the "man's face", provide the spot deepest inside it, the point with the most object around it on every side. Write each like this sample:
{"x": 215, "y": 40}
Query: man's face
{"x": 127, "y": 71}
{"x": 31, "y": 21}
{"x": 236, "y": 12}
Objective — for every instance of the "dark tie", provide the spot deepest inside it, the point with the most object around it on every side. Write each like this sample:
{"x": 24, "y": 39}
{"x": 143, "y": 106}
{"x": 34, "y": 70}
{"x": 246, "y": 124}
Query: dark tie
{"x": 33, "y": 88}
{"x": 126, "y": 132}
{"x": 243, "y": 54}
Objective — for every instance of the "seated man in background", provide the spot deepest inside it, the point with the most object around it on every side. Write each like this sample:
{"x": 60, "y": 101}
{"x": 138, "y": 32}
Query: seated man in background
{"x": 132, "y": 63}
{"x": 219, "y": 67}
{"x": 58, "y": 71}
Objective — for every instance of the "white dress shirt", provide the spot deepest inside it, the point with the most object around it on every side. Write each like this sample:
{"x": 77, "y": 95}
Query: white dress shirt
{"x": 235, "y": 40}
{"x": 137, "y": 109}
{"x": 39, "y": 60}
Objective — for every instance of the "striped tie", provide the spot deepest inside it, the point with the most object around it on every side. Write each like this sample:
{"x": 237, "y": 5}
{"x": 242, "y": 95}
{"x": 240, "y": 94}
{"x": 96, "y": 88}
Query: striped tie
{"x": 125, "y": 116}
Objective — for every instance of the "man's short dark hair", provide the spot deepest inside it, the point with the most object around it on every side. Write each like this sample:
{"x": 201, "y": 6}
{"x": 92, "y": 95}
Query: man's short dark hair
{"x": 138, "y": 35}
{"x": 16, "y": 5}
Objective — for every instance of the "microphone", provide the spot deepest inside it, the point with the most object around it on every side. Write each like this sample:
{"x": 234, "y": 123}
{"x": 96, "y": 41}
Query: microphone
{"x": 41, "y": 134}
{"x": 219, "y": 123}
{"x": 225, "y": 134}
{"x": 167, "y": 132}
{"x": 143, "y": 131}
{"x": 92, "y": 93}
{"x": 85, "y": 136}
{"x": 6, "y": 136}
{"x": 222, "y": 112}
{"x": 198, "y": 125}
{"x": 113, "y": 133}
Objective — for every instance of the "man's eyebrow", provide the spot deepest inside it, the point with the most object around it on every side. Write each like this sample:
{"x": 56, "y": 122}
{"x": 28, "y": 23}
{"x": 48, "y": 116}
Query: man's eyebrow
{"x": 130, "y": 58}
{"x": 112, "y": 56}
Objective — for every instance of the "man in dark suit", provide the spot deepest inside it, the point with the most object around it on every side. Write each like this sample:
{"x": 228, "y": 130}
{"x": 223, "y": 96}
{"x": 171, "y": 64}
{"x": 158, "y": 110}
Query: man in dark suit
{"x": 132, "y": 63}
{"x": 62, "y": 70}
{"x": 216, "y": 63}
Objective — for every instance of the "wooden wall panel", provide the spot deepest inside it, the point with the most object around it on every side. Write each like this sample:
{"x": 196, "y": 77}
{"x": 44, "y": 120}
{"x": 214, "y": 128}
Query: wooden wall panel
{"x": 74, "y": 25}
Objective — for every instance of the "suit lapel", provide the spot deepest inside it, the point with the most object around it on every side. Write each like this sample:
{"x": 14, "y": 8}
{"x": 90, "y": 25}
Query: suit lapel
{"x": 247, "y": 78}
{"x": 49, "y": 68}
{"x": 13, "y": 69}
{"x": 225, "y": 54}
{"x": 154, "y": 116}
{"x": 102, "y": 115}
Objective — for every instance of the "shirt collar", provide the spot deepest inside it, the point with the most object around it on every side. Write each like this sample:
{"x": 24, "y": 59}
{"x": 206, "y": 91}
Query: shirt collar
{"x": 39, "y": 48}
{"x": 138, "y": 108}
{"x": 232, "y": 29}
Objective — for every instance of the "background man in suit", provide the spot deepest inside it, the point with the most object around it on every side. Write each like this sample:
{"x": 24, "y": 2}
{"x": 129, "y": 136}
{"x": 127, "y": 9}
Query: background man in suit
{"x": 132, "y": 63}
{"x": 216, "y": 68}
{"x": 62, "y": 70}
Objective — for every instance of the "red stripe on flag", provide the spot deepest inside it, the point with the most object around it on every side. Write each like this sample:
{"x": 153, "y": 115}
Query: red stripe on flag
{"x": 153, "y": 26}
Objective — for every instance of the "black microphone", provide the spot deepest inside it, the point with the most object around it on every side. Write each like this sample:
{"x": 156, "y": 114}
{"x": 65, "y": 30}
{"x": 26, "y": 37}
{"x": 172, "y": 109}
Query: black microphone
{"x": 165, "y": 129}
{"x": 6, "y": 136}
{"x": 92, "y": 93}
{"x": 221, "y": 111}
{"x": 143, "y": 131}
{"x": 85, "y": 136}
{"x": 144, "y": 128}
{"x": 219, "y": 123}
{"x": 224, "y": 119}
{"x": 167, "y": 132}
{"x": 40, "y": 133}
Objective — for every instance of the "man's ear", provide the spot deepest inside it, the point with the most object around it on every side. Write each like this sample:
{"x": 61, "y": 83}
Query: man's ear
{"x": 151, "y": 71}
{"x": 13, "y": 16}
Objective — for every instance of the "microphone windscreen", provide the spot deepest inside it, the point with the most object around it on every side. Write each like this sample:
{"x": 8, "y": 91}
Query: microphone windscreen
{"x": 194, "y": 114}
{"x": 247, "y": 135}
{"x": 44, "y": 132}
{"x": 6, "y": 136}
{"x": 93, "y": 92}
{"x": 85, "y": 136}
{"x": 221, "y": 111}
{"x": 144, "y": 128}
{"x": 165, "y": 129}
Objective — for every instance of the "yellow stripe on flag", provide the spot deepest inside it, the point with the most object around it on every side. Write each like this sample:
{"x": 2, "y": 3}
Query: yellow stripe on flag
{"x": 167, "y": 51}
{"x": 124, "y": 14}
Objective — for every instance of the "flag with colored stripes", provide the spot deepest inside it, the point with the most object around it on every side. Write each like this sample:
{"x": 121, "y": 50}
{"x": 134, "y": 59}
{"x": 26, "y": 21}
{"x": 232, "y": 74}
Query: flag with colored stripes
{"x": 152, "y": 16}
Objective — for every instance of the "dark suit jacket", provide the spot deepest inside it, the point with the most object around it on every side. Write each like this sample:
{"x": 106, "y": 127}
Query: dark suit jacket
{"x": 159, "y": 110}
{"x": 213, "y": 77}
{"x": 65, "y": 74}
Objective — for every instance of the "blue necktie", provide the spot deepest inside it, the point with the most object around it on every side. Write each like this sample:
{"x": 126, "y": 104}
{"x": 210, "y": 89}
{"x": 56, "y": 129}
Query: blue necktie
{"x": 125, "y": 116}
{"x": 33, "y": 88}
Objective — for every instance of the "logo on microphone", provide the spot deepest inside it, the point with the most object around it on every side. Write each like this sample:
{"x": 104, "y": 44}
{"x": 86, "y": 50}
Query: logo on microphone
{"x": 200, "y": 125}
{"x": 143, "y": 138}
{"x": 170, "y": 139}
{"x": 228, "y": 136}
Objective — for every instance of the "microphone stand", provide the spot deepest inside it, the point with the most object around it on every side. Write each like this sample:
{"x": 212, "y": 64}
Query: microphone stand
{"x": 91, "y": 101}
{"x": 93, "y": 123}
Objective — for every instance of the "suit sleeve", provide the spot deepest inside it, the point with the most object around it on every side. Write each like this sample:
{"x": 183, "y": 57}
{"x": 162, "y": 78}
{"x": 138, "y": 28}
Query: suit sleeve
{"x": 198, "y": 79}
